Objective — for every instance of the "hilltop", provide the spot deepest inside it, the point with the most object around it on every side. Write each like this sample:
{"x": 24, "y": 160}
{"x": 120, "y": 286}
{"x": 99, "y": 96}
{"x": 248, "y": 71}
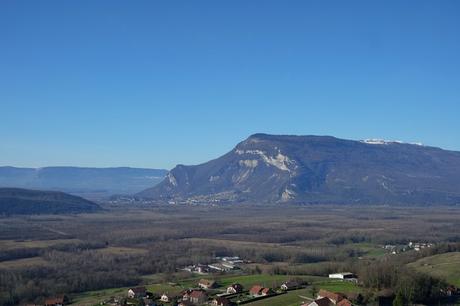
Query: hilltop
{"x": 24, "y": 201}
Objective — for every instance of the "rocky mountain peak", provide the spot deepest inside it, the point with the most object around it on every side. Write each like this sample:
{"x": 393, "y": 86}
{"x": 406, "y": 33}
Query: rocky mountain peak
{"x": 317, "y": 169}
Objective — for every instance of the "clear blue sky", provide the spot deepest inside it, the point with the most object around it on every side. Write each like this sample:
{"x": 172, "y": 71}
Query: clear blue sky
{"x": 156, "y": 83}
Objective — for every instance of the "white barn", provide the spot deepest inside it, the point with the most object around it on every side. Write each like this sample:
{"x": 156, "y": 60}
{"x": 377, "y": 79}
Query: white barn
{"x": 343, "y": 275}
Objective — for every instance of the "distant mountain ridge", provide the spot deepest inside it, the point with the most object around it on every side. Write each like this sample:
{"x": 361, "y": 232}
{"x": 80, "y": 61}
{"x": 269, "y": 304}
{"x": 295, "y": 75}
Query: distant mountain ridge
{"x": 87, "y": 182}
{"x": 25, "y": 201}
{"x": 317, "y": 169}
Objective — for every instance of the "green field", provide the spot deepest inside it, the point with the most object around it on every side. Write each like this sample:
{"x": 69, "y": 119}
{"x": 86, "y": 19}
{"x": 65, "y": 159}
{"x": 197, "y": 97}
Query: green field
{"x": 338, "y": 286}
{"x": 370, "y": 250}
{"x": 291, "y": 298}
{"x": 445, "y": 266}
{"x": 90, "y": 298}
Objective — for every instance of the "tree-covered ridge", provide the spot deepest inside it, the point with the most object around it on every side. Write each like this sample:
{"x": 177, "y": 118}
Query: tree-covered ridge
{"x": 24, "y": 201}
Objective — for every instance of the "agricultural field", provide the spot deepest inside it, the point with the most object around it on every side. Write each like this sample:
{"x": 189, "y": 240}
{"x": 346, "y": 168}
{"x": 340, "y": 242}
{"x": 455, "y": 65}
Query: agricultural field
{"x": 6, "y": 245}
{"x": 445, "y": 266}
{"x": 338, "y": 286}
{"x": 368, "y": 249}
{"x": 23, "y": 263}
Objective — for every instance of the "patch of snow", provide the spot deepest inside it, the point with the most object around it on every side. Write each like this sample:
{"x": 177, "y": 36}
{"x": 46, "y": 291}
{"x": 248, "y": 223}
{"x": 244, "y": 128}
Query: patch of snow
{"x": 376, "y": 141}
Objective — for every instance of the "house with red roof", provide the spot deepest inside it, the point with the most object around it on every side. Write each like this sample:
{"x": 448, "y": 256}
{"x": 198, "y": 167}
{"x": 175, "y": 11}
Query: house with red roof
{"x": 332, "y": 296}
{"x": 320, "y": 302}
{"x": 60, "y": 300}
{"x": 256, "y": 290}
{"x": 198, "y": 297}
{"x": 206, "y": 284}
{"x": 344, "y": 302}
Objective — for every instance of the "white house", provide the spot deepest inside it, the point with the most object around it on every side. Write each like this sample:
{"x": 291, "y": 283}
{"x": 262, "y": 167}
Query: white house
{"x": 165, "y": 298}
{"x": 136, "y": 292}
{"x": 290, "y": 285}
{"x": 235, "y": 288}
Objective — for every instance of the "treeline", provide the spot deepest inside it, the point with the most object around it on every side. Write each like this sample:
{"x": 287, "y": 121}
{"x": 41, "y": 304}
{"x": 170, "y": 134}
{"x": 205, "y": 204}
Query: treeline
{"x": 409, "y": 287}
{"x": 19, "y": 253}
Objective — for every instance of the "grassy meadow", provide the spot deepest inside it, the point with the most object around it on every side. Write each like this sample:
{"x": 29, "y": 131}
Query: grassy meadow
{"x": 445, "y": 266}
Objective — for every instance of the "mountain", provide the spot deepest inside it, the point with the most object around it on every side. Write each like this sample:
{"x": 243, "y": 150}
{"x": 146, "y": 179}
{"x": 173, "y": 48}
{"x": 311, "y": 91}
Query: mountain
{"x": 87, "y": 182}
{"x": 317, "y": 169}
{"x": 24, "y": 201}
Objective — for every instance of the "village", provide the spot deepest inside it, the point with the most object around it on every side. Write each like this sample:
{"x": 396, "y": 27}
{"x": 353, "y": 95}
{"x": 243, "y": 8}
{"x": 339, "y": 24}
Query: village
{"x": 416, "y": 246}
{"x": 207, "y": 291}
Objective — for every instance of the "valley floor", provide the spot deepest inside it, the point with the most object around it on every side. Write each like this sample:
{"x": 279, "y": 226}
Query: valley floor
{"x": 85, "y": 255}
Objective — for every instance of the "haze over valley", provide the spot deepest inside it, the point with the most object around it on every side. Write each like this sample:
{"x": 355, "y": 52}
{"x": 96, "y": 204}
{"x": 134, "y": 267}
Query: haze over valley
{"x": 92, "y": 183}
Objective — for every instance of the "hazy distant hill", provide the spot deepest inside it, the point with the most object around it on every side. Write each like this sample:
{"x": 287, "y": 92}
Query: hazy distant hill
{"x": 318, "y": 169}
{"x": 24, "y": 201}
{"x": 88, "y": 182}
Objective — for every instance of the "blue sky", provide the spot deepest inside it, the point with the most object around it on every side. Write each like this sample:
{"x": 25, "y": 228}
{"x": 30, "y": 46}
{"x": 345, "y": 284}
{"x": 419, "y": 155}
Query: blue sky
{"x": 156, "y": 83}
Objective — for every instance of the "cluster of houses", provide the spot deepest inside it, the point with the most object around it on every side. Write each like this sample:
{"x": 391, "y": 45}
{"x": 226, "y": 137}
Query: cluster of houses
{"x": 189, "y": 297}
{"x": 204, "y": 294}
{"x": 394, "y": 249}
{"x": 198, "y": 269}
{"x": 417, "y": 246}
{"x": 222, "y": 264}
{"x": 327, "y": 298}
